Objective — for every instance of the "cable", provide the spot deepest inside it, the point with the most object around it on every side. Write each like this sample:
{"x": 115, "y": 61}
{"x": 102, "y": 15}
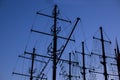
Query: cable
{"x": 107, "y": 36}
{"x": 14, "y": 68}
{"x": 29, "y": 36}
{"x": 45, "y": 8}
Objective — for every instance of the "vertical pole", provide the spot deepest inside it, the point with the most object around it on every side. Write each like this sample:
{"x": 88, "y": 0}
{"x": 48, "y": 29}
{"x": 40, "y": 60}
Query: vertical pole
{"x": 103, "y": 54}
{"x": 54, "y": 43}
{"x": 70, "y": 66}
{"x": 83, "y": 53}
{"x": 32, "y": 64}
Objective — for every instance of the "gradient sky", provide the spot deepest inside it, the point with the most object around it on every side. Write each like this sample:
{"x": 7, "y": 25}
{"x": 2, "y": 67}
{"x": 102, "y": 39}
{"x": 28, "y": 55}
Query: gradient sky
{"x": 17, "y": 16}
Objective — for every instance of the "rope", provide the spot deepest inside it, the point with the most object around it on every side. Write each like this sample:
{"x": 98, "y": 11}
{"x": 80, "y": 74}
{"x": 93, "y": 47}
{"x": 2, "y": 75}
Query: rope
{"x": 106, "y": 35}
{"x": 14, "y": 68}
{"x": 29, "y": 36}
{"x": 45, "y": 8}
{"x": 96, "y": 32}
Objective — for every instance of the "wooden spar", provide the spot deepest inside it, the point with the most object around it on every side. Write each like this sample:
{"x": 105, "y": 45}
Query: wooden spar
{"x": 83, "y": 54}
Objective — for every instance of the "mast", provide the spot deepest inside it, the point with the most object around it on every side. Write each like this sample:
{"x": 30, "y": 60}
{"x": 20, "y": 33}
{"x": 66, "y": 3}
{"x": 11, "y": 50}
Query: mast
{"x": 54, "y": 47}
{"x": 84, "y": 67}
{"x": 32, "y": 64}
{"x": 103, "y": 53}
{"x": 70, "y": 76}
{"x": 83, "y": 54}
{"x": 54, "y": 57}
{"x": 54, "y": 43}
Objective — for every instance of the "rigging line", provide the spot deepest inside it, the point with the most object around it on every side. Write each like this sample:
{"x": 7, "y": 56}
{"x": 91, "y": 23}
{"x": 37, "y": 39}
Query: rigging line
{"x": 22, "y": 65}
{"x": 45, "y": 8}
{"x": 71, "y": 47}
{"x": 96, "y": 32}
{"x": 83, "y": 32}
{"x": 28, "y": 40}
{"x": 66, "y": 23}
{"x": 84, "y": 36}
{"x": 87, "y": 47}
{"x": 94, "y": 42}
{"x": 78, "y": 46}
{"x": 112, "y": 69}
{"x": 44, "y": 67}
{"x": 69, "y": 29}
{"x": 15, "y": 64}
{"x": 48, "y": 70}
{"x": 66, "y": 28}
{"x": 61, "y": 15}
{"x": 14, "y": 68}
{"x": 34, "y": 20}
{"x": 35, "y": 43}
{"x": 27, "y": 65}
{"x": 29, "y": 36}
{"x": 85, "y": 41}
{"x": 66, "y": 19}
{"x": 106, "y": 35}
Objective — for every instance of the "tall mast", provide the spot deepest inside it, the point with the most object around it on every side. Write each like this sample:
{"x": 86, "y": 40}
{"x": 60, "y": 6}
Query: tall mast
{"x": 103, "y": 54}
{"x": 83, "y": 54}
{"x": 32, "y": 64}
{"x": 54, "y": 43}
{"x": 53, "y": 50}
{"x": 54, "y": 47}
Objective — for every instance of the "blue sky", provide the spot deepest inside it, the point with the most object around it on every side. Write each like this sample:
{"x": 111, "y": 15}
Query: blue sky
{"x": 17, "y": 16}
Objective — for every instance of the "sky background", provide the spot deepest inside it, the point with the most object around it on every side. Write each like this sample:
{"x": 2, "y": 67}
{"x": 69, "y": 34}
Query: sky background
{"x": 17, "y": 17}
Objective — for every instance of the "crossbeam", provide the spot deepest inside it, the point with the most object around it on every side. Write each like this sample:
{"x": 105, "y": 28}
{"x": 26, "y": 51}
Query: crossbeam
{"x": 31, "y": 59}
{"x": 51, "y": 35}
{"x": 51, "y": 57}
{"x": 26, "y": 75}
{"x": 101, "y": 55}
{"x": 96, "y": 72}
{"x": 85, "y": 68}
{"x": 81, "y": 53}
{"x": 102, "y": 73}
{"x": 103, "y": 40}
{"x": 53, "y": 17}
{"x": 71, "y": 75}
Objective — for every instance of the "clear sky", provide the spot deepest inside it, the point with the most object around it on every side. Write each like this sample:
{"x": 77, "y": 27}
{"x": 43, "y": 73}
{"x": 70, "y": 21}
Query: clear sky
{"x": 17, "y": 17}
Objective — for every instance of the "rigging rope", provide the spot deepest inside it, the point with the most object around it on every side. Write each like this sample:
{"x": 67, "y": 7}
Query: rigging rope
{"x": 45, "y": 8}
{"x": 14, "y": 68}
{"x": 29, "y": 36}
{"x": 106, "y": 35}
